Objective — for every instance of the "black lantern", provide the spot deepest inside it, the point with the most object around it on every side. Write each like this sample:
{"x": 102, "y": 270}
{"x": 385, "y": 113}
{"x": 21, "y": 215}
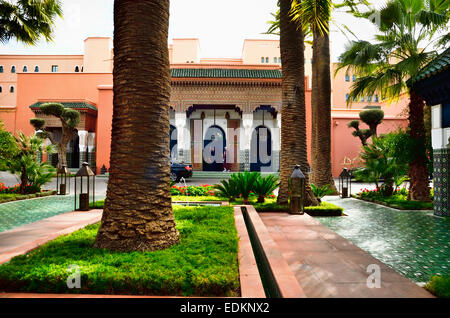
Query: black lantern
{"x": 345, "y": 185}
{"x": 297, "y": 191}
{"x": 87, "y": 177}
{"x": 62, "y": 184}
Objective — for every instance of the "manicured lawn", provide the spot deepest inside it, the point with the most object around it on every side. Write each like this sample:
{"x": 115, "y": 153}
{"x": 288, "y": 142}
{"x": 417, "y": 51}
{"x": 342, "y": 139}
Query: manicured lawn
{"x": 439, "y": 286}
{"x": 204, "y": 263}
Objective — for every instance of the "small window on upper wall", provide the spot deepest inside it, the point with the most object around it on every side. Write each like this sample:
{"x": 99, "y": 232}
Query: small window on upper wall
{"x": 25, "y": 69}
{"x": 376, "y": 98}
{"x": 369, "y": 98}
{"x": 346, "y": 97}
{"x": 361, "y": 99}
{"x": 262, "y": 59}
{"x": 355, "y": 99}
{"x": 11, "y": 89}
{"x": 353, "y": 77}
{"x": 54, "y": 68}
{"x": 275, "y": 60}
{"x": 13, "y": 69}
{"x": 267, "y": 60}
{"x": 82, "y": 68}
{"x": 279, "y": 60}
{"x": 1, "y": 68}
{"x": 1, "y": 89}
{"x": 347, "y": 78}
{"x": 77, "y": 69}
{"x": 36, "y": 69}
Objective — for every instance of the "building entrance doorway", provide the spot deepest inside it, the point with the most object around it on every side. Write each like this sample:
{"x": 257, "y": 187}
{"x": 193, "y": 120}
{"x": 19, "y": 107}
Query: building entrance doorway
{"x": 214, "y": 144}
{"x": 261, "y": 148}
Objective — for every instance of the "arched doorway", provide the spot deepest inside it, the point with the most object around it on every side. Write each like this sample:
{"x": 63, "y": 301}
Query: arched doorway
{"x": 261, "y": 148}
{"x": 173, "y": 143}
{"x": 75, "y": 154}
{"x": 213, "y": 147}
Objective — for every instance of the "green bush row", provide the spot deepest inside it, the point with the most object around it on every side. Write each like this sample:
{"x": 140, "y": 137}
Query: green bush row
{"x": 4, "y": 198}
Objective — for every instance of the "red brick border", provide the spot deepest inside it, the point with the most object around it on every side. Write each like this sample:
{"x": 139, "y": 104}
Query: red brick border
{"x": 251, "y": 284}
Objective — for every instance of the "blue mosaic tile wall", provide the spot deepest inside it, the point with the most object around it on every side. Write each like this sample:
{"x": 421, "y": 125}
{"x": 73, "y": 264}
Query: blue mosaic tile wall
{"x": 441, "y": 181}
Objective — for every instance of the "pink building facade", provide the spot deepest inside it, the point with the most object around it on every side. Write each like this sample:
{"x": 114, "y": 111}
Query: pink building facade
{"x": 219, "y": 108}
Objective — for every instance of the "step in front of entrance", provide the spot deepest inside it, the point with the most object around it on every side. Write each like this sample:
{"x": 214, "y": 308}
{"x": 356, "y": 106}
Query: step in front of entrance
{"x": 219, "y": 175}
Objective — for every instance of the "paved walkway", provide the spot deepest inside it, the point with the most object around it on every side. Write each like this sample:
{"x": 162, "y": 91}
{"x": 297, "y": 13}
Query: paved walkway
{"x": 21, "y": 240}
{"x": 327, "y": 265}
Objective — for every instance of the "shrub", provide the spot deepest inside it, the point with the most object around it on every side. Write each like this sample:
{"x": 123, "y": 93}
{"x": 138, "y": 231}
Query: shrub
{"x": 439, "y": 286}
{"x": 245, "y": 183}
{"x": 227, "y": 189}
{"x": 320, "y": 192}
{"x": 385, "y": 157}
{"x": 264, "y": 186}
{"x": 201, "y": 190}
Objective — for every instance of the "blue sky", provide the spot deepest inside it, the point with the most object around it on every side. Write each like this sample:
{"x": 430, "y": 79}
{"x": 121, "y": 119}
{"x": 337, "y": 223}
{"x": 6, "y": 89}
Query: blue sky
{"x": 220, "y": 25}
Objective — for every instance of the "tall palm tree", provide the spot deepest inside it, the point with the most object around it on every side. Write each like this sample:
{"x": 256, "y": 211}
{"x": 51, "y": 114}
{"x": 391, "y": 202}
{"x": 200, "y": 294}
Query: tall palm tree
{"x": 28, "y": 20}
{"x": 315, "y": 15}
{"x": 396, "y": 56}
{"x": 138, "y": 213}
{"x": 293, "y": 116}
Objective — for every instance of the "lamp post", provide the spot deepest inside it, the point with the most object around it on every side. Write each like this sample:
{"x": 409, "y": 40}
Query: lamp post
{"x": 61, "y": 180}
{"x": 85, "y": 173}
{"x": 297, "y": 191}
{"x": 345, "y": 183}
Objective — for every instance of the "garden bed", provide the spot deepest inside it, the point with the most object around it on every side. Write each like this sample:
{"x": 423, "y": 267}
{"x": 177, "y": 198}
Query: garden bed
{"x": 8, "y": 197}
{"x": 204, "y": 263}
{"x": 439, "y": 286}
{"x": 396, "y": 203}
{"x": 270, "y": 205}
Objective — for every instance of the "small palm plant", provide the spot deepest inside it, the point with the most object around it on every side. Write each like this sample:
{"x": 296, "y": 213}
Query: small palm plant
{"x": 264, "y": 186}
{"x": 227, "y": 189}
{"x": 320, "y": 192}
{"x": 245, "y": 183}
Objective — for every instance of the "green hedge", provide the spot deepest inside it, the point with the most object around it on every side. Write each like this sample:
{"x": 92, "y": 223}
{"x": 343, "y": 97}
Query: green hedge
{"x": 397, "y": 203}
{"x": 16, "y": 197}
{"x": 439, "y": 286}
{"x": 324, "y": 209}
{"x": 204, "y": 263}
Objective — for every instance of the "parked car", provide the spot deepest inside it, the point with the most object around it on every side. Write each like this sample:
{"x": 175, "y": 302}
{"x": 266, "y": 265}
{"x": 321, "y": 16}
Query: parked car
{"x": 180, "y": 170}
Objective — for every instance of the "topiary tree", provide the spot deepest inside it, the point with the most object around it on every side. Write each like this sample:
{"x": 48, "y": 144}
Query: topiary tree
{"x": 70, "y": 119}
{"x": 372, "y": 118}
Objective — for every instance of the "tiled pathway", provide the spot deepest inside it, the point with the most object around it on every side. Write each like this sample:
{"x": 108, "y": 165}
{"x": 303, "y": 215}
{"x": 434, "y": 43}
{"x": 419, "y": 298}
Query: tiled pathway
{"x": 18, "y": 213}
{"x": 25, "y": 238}
{"x": 327, "y": 265}
{"x": 414, "y": 243}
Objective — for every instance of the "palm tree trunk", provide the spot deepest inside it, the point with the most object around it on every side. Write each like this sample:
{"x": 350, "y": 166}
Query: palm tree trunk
{"x": 321, "y": 174}
{"x": 419, "y": 188}
{"x": 293, "y": 115}
{"x": 23, "y": 179}
{"x": 138, "y": 212}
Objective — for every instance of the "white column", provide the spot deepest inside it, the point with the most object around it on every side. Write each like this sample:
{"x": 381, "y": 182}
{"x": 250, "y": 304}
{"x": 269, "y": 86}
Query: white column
{"x": 247, "y": 124}
{"x": 82, "y": 134}
{"x": 91, "y": 141}
{"x": 183, "y": 137}
{"x": 246, "y": 137}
